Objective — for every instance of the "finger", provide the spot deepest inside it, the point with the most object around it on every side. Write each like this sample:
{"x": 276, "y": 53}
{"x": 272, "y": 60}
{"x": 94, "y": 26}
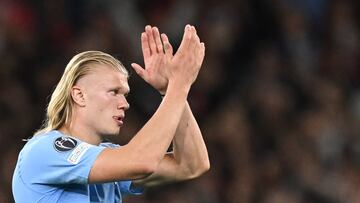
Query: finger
{"x": 201, "y": 54}
{"x": 193, "y": 44}
{"x": 197, "y": 50}
{"x": 150, "y": 36}
{"x": 145, "y": 45}
{"x": 203, "y": 48}
{"x": 196, "y": 42}
{"x": 196, "y": 35}
{"x": 186, "y": 39}
{"x": 159, "y": 45}
{"x": 139, "y": 70}
{"x": 167, "y": 46}
{"x": 196, "y": 38}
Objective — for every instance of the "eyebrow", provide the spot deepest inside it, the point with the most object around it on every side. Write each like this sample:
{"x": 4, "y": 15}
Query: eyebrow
{"x": 121, "y": 88}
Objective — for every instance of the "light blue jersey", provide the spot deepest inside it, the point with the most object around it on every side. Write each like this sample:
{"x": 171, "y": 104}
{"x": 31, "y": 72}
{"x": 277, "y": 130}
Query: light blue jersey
{"x": 54, "y": 167}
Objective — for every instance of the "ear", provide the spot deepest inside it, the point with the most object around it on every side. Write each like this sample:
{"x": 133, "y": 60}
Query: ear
{"x": 78, "y": 96}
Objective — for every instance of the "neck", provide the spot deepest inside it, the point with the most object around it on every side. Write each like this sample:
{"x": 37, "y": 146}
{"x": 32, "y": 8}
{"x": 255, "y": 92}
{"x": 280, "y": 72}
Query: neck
{"x": 81, "y": 134}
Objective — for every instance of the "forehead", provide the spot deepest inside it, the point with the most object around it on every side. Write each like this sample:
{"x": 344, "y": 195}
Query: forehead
{"x": 105, "y": 76}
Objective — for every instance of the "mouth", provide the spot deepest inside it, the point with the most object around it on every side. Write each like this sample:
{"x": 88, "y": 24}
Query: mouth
{"x": 119, "y": 120}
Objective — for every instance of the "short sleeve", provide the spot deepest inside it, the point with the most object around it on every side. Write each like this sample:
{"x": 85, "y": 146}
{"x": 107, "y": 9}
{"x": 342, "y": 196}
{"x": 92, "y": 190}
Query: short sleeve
{"x": 61, "y": 160}
{"x": 128, "y": 188}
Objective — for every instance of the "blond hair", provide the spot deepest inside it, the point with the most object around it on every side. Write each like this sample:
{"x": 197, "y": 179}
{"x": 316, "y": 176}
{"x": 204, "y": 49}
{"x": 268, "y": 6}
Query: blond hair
{"x": 61, "y": 105}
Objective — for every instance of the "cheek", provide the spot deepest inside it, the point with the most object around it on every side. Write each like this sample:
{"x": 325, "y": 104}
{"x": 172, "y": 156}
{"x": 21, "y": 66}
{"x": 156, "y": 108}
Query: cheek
{"x": 101, "y": 105}
{"x": 96, "y": 104}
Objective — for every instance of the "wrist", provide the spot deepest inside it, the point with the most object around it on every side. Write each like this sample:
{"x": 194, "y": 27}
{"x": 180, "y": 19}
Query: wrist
{"x": 162, "y": 90}
{"x": 179, "y": 88}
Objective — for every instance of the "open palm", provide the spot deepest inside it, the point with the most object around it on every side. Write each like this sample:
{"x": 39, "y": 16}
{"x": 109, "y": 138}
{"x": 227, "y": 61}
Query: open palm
{"x": 157, "y": 52}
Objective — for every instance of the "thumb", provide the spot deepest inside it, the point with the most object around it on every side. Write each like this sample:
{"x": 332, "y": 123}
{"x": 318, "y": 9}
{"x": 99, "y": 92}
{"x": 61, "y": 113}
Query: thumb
{"x": 186, "y": 39}
{"x": 139, "y": 70}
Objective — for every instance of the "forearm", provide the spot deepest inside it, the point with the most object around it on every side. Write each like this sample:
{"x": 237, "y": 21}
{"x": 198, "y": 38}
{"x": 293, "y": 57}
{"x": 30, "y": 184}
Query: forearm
{"x": 153, "y": 140}
{"x": 189, "y": 158}
{"x": 189, "y": 148}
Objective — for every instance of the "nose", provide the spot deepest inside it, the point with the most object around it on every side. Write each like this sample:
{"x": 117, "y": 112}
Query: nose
{"x": 123, "y": 104}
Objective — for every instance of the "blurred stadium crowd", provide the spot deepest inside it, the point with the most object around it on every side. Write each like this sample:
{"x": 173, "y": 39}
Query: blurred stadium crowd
{"x": 277, "y": 99}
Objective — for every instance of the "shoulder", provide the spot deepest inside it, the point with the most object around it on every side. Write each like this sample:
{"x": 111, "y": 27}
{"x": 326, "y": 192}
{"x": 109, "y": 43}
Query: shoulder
{"x": 41, "y": 141}
{"x": 109, "y": 145}
{"x": 45, "y": 146}
{"x": 51, "y": 141}
{"x": 57, "y": 150}
{"x": 47, "y": 157}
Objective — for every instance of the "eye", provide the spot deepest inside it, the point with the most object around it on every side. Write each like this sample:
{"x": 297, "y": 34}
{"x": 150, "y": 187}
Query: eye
{"x": 114, "y": 91}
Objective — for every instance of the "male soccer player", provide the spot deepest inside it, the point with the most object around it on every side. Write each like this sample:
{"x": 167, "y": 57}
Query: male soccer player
{"x": 67, "y": 161}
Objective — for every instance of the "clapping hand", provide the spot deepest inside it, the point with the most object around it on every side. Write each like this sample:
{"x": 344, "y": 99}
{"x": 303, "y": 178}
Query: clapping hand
{"x": 157, "y": 54}
{"x": 160, "y": 63}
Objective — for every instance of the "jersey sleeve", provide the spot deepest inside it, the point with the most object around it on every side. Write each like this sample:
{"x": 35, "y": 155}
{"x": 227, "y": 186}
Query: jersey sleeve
{"x": 61, "y": 160}
{"x": 128, "y": 188}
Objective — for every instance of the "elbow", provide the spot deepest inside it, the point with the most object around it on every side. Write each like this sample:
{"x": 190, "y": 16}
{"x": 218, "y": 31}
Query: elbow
{"x": 143, "y": 169}
{"x": 148, "y": 168}
{"x": 151, "y": 164}
{"x": 143, "y": 164}
{"x": 202, "y": 168}
{"x": 146, "y": 171}
{"x": 206, "y": 166}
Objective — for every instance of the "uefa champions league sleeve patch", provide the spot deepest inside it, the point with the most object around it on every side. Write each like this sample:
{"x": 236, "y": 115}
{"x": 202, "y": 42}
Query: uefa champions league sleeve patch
{"x": 64, "y": 144}
{"x": 78, "y": 152}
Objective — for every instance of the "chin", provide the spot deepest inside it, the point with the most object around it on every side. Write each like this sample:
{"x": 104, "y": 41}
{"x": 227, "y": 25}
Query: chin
{"x": 111, "y": 134}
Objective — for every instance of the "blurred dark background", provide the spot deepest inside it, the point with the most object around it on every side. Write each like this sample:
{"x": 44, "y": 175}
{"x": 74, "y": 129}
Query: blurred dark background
{"x": 277, "y": 99}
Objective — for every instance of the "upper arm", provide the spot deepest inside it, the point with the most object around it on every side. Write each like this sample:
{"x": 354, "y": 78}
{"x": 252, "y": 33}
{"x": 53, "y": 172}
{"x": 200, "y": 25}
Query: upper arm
{"x": 167, "y": 171}
{"x": 114, "y": 164}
